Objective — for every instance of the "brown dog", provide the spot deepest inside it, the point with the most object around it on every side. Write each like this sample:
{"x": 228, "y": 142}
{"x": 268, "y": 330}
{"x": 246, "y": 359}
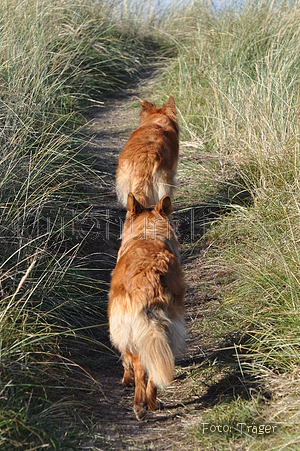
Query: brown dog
{"x": 147, "y": 164}
{"x": 145, "y": 309}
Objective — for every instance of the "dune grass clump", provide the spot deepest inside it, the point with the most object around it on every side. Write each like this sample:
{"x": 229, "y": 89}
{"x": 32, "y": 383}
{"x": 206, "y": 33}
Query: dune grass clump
{"x": 236, "y": 80}
{"x": 56, "y": 58}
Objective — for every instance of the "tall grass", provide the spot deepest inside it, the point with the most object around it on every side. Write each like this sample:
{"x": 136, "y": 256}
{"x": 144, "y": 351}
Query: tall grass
{"x": 236, "y": 82}
{"x": 56, "y": 58}
{"x": 236, "y": 79}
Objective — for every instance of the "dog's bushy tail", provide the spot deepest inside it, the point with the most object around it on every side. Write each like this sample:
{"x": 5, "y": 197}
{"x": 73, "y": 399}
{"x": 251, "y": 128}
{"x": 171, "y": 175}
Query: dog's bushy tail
{"x": 152, "y": 334}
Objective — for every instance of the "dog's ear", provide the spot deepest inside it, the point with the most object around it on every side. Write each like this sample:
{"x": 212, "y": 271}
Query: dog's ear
{"x": 164, "y": 206}
{"x": 146, "y": 106}
{"x": 169, "y": 109}
{"x": 133, "y": 206}
{"x": 170, "y": 106}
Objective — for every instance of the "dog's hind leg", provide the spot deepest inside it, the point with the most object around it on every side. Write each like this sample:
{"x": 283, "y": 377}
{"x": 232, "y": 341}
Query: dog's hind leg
{"x": 128, "y": 378}
{"x": 151, "y": 392}
{"x": 140, "y": 397}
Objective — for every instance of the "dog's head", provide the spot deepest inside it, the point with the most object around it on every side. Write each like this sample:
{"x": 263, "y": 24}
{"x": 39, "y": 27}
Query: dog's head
{"x": 164, "y": 207}
{"x": 149, "y": 224}
{"x": 168, "y": 109}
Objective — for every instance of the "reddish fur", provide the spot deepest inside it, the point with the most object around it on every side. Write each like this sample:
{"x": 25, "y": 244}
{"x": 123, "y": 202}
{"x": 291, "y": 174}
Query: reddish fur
{"x": 148, "y": 162}
{"x": 145, "y": 309}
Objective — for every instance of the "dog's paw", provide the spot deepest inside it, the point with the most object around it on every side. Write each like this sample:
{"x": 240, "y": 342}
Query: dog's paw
{"x": 140, "y": 410}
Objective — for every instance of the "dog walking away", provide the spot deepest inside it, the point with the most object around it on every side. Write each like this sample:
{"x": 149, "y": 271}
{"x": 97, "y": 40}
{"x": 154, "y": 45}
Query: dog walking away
{"x": 145, "y": 308}
{"x": 147, "y": 164}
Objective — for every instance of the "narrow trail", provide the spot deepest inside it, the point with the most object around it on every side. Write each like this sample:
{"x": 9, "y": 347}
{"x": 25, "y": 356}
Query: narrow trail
{"x": 109, "y": 127}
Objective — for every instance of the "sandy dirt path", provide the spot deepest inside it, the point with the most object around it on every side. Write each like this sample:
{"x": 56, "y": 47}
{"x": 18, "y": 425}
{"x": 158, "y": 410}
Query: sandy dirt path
{"x": 109, "y": 127}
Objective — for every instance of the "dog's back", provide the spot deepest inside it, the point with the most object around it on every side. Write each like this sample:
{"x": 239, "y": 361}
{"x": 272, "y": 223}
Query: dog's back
{"x": 147, "y": 164}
